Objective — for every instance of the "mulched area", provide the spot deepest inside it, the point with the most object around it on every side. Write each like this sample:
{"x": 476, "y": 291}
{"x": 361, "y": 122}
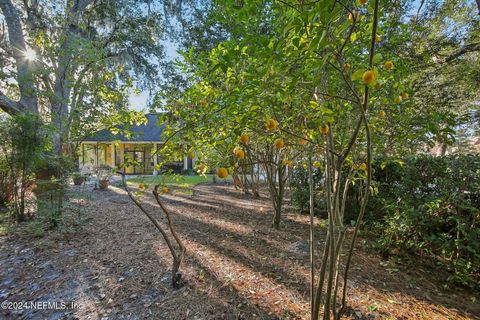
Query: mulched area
{"x": 237, "y": 267}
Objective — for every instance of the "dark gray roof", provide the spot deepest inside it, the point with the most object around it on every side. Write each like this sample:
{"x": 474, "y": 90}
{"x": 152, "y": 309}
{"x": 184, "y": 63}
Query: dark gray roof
{"x": 149, "y": 132}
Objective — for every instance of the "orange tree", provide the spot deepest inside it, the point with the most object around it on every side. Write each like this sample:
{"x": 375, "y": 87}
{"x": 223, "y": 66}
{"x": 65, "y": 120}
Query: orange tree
{"x": 302, "y": 78}
{"x": 233, "y": 98}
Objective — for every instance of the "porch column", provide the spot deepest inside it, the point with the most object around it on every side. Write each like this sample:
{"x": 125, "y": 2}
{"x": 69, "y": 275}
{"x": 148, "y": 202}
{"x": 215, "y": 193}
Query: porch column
{"x": 112, "y": 154}
{"x": 155, "y": 158}
{"x": 81, "y": 159}
{"x": 96, "y": 155}
{"x": 185, "y": 163}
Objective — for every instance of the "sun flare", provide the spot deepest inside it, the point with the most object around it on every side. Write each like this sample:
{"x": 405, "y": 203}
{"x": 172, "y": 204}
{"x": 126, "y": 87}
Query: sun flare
{"x": 30, "y": 54}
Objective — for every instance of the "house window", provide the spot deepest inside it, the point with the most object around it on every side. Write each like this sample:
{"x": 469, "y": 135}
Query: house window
{"x": 94, "y": 155}
{"x": 89, "y": 155}
{"x": 101, "y": 155}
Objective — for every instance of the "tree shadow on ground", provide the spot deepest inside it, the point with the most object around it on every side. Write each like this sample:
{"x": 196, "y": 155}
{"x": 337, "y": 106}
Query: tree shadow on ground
{"x": 117, "y": 266}
{"x": 369, "y": 278}
{"x": 368, "y": 275}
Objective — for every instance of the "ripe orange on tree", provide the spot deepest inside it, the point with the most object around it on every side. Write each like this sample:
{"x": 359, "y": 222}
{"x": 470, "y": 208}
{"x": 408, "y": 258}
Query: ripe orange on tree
{"x": 287, "y": 163}
{"x": 279, "y": 143}
{"x": 324, "y": 130}
{"x": 368, "y": 76}
{"x": 201, "y": 167}
{"x": 271, "y": 124}
{"x": 388, "y": 65}
{"x": 244, "y": 138}
{"x": 222, "y": 173}
{"x": 239, "y": 153}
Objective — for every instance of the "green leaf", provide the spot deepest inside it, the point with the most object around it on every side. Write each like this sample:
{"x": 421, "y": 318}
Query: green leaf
{"x": 353, "y": 37}
{"x": 357, "y": 75}
{"x": 377, "y": 58}
{"x": 296, "y": 41}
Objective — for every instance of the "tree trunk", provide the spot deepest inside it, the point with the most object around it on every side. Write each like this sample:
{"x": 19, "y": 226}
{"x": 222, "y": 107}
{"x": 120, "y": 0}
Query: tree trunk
{"x": 277, "y": 215}
{"x": 312, "y": 240}
{"x": 28, "y": 98}
{"x": 442, "y": 149}
{"x": 62, "y": 89}
{"x": 279, "y": 196}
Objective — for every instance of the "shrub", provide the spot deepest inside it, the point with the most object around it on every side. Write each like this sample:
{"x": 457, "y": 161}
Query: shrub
{"x": 49, "y": 223}
{"x": 430, "y": 205}
{"x": 425, "y": 205}
{"x": 188, "y": 172}
{"x": 78, "y": 178}
{"x": 301, "y": 195}
{"x": 300, "y": 189}
{"x": 22, "y": 146}
{"x": 6, "y": 183}
{"x": 35, "y": 228}
{"x": 28, "y": 168}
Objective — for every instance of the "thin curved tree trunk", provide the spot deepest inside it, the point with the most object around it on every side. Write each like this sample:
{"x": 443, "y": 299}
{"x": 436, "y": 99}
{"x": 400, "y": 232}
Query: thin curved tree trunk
{"x": 177, "y": 256}
{"x": 336, "y": 204}
{"x": 312, "y": 240}
{"x": 176, "y": 276}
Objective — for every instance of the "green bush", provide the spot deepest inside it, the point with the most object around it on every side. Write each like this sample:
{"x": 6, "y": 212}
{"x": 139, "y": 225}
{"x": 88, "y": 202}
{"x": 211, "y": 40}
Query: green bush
{"x": 35, "y": 228}
{"x": 301, "y": 195}
{"x": 430, "y": 205}
{"x": 6, "y": 182}
{"x": 27, "y": 166}
{"x": 22, "y": 143}
{"x": 300, "y": 189}
{"x": 48, "y": 224}
{"x": 425, "y": 206}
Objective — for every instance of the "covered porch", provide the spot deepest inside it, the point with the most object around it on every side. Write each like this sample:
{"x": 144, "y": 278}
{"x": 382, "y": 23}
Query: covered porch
{"x": 132, "y": 157}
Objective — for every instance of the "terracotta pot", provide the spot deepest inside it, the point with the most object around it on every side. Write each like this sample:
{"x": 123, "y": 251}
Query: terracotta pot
{"x": 104, "y": 184}
{"x": 78, "y": 180}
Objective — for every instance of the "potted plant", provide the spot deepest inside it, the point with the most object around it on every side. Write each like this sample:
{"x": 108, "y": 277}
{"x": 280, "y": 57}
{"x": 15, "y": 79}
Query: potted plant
{"x": 78, "y": 178}
{"x": 104, "y": 173}
{"x": 104, "y": 184}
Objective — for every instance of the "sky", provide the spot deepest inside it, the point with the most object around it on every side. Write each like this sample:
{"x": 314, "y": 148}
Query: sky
{"x": 140, "y": 102}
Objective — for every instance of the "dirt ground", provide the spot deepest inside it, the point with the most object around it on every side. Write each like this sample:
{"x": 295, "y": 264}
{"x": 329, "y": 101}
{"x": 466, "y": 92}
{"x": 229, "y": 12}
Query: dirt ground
{"x": 237, "y": 267}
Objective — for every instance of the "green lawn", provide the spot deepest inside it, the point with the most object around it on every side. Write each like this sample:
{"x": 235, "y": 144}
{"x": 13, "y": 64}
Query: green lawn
{"x": 179, "y": 183}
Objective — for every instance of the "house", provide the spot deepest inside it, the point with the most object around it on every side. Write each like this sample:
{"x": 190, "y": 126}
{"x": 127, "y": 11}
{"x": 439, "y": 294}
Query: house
{"x": 113, "y": 150}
